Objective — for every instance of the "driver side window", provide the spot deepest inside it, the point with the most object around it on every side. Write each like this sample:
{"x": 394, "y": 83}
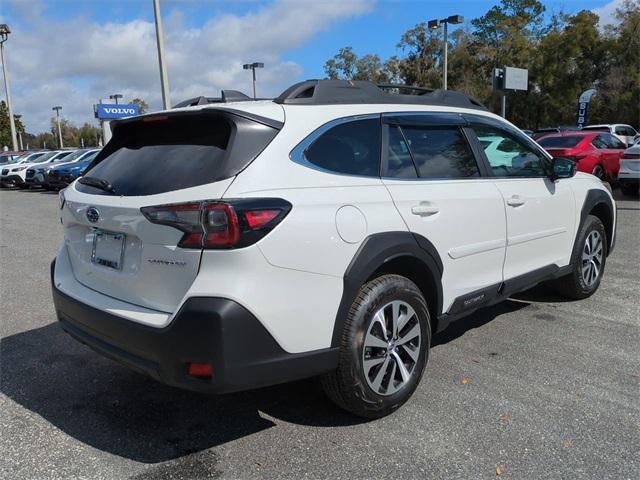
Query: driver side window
{"x": 507, "y": 155}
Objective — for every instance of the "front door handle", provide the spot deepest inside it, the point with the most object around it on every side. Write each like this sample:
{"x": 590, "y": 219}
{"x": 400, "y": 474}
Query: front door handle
{"x": 516, "y": 201}
{"x": 425, "y": 209}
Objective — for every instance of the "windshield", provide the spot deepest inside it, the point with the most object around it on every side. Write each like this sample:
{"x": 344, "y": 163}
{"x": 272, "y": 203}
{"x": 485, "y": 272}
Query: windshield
{"x": 44, "y": 157}
{"x": 561, "y": 142}
{"x": 63, "y": 156}
{"x": 30, "y": 157}
{"x": 74, "y": 156}
{"x": 597, "y": 129}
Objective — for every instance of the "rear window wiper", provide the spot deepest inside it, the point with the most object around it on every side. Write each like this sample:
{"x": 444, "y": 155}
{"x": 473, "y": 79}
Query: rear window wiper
{"x": 97, "y": 183}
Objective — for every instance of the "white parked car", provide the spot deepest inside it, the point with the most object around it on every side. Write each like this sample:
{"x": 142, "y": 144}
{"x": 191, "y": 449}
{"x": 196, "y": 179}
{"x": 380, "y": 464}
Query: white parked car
{"x": 625, "y": 133}
{"x": 330, "y": 231}
{"x": 15, "y": 174}
{"x": 629, "y": 173}
{"x": 35, "y": 174}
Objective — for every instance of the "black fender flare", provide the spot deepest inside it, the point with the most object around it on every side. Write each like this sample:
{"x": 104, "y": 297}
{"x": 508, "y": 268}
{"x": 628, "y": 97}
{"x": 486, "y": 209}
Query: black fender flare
{"x": 594, "y": 198}
{"x": 373, "y": 253}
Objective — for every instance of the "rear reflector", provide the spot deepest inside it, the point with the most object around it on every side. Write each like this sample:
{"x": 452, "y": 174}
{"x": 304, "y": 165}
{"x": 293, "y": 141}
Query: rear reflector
{"x": 214, "y": 224}
{"x": 259, "y": 218}
{"x": 631, "y": 156}
{"x": 200, "y": 370}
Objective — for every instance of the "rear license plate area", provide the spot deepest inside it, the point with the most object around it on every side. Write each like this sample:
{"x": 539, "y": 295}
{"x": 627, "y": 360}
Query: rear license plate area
{"x": 108, "y": 249}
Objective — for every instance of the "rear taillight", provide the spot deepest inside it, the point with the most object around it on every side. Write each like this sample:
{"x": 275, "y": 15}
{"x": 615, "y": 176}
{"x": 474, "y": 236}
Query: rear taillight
{"x": 631, "y": 156}
{"x": 215, "y": 224}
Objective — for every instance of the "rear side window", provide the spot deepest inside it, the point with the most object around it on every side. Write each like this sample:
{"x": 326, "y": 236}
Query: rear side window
{"x": 147, "y": 157}
{"x": 560, "y": 142}
{"x": 440, "y": 152}
{"x": 351, "y": 148}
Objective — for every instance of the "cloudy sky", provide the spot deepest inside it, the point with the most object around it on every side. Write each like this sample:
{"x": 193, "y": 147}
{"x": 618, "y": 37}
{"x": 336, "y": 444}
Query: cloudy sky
{"x": 72, "y": 53}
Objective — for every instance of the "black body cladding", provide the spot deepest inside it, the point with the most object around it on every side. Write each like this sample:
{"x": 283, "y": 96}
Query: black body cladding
{"x": 378, "y": 250}
{"x": 217, "y": 331}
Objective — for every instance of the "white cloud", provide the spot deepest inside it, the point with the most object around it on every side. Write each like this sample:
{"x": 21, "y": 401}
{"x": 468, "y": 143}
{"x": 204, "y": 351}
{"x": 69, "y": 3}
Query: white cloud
{"x": 607, "y": 12}
{"x": 73, "y": 63}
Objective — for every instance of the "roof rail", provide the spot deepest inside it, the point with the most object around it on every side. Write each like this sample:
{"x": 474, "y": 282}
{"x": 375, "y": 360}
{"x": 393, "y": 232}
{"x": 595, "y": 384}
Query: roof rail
{"x": 226, "y": 96}
{"x": 340, "y": 92}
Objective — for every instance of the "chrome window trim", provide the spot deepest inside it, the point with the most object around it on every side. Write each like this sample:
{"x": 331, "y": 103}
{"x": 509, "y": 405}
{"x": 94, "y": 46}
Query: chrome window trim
{"x": 297, "y": 155}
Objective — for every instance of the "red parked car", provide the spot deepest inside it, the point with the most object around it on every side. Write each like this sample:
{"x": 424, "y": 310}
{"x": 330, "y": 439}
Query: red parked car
{"x": 597, "y": 153}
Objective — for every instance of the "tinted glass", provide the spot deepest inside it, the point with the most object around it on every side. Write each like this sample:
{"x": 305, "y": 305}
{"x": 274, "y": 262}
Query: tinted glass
{"x": 508, "y": 156}
{"x": 351, "y": 148}
{"x": 174, "y": 152}
{"x": 399, "y": 162}
{"x": 63, "y": 156}
{"x": 560, "y": 142}
{"x": 615, "y": 143}
{"x": 440, "y": 152}
{"x": 597, "y": 129}
{"x": 44, "y": 158}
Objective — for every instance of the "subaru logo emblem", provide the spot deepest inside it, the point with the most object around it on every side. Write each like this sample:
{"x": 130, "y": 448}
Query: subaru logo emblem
{"x": 93, "y": 215}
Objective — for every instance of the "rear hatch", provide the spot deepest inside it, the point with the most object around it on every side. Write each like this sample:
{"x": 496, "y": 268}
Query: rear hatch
{"x": 184, "y": 156}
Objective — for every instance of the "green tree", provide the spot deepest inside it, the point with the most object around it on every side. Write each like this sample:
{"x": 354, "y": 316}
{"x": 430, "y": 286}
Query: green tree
{"x": 347, "y": 65}
{"x": 5, "y": 126}
{"x": 144, "y": 108}
{"x": 618, "y": 97}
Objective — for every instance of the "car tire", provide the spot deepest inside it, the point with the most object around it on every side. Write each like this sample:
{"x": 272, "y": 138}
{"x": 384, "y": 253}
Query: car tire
{"x": 369, "y": 381}
{"x": 588, "y": 261}
{"x": 629, "y": 190}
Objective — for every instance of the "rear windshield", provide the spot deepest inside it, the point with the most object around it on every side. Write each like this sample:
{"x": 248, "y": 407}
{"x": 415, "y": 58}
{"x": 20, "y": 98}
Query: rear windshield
{"x": 166, "y": 153}
{"x": 597, "y": 129}
{"x": 560, "y": 142}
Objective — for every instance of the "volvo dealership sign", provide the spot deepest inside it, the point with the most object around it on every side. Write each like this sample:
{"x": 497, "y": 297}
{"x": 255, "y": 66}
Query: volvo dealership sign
{"x": 106, "y": 111}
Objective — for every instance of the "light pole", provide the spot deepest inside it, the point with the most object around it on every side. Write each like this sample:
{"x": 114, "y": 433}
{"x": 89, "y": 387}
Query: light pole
{"x": 4, "y": 34}
{"x": 164, "y": 82}
{"x": 252, "y": 67}
{"x": 57, "y": 109}
{"x": 453, "y": 19}
{"x": 115, "y": 97}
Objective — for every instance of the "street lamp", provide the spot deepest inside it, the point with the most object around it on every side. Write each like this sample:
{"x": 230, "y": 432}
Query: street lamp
{"x": 4, "y": 34}
{"x": 252, "y": 67}
{"x": 57, "y": 109}
{"x": 453, "y": 19}
{"x": 115, "y": 97}
{"x": 164, "y": 82}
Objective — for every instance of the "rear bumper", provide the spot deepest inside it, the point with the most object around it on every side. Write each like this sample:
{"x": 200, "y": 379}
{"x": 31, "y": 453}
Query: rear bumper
{"x": 630, "y": 180}
{"x": 217, "y": 331}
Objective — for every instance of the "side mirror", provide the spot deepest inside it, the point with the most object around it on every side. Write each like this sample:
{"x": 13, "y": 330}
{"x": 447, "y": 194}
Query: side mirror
{"x": 563, "y": 168}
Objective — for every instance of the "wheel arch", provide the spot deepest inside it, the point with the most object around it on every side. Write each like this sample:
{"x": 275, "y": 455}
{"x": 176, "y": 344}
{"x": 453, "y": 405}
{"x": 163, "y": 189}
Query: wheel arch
{"x": 599, "y": 204}
{"x": 402, "y": 253}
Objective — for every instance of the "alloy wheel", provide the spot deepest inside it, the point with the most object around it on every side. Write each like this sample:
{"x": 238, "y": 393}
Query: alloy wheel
{"x": 592, "y": 258}
{"x": 391, "y": 347}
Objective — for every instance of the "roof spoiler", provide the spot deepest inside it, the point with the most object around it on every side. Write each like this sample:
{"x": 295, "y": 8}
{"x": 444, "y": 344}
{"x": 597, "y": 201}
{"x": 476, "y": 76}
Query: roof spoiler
{"x": 226, "y": 96}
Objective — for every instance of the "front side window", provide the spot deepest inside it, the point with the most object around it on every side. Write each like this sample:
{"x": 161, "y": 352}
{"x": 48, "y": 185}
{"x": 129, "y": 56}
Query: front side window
{"x": 432, "y": 152}
{"x": 508, "y": 156}
{"x": 351, "y": 148}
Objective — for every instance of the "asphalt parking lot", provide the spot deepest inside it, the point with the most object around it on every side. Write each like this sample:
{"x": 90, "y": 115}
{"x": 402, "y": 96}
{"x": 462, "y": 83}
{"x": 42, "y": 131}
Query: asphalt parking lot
{"x": 531, "y": 388}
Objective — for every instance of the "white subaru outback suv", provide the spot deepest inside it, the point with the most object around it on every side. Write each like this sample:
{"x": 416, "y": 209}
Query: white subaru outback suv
{"x": 329, "y": 232}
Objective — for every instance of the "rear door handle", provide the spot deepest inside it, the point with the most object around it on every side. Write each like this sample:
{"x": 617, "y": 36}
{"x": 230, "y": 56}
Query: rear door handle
{"x": 516, "y": 201}
{"x": 425, "y": 209}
